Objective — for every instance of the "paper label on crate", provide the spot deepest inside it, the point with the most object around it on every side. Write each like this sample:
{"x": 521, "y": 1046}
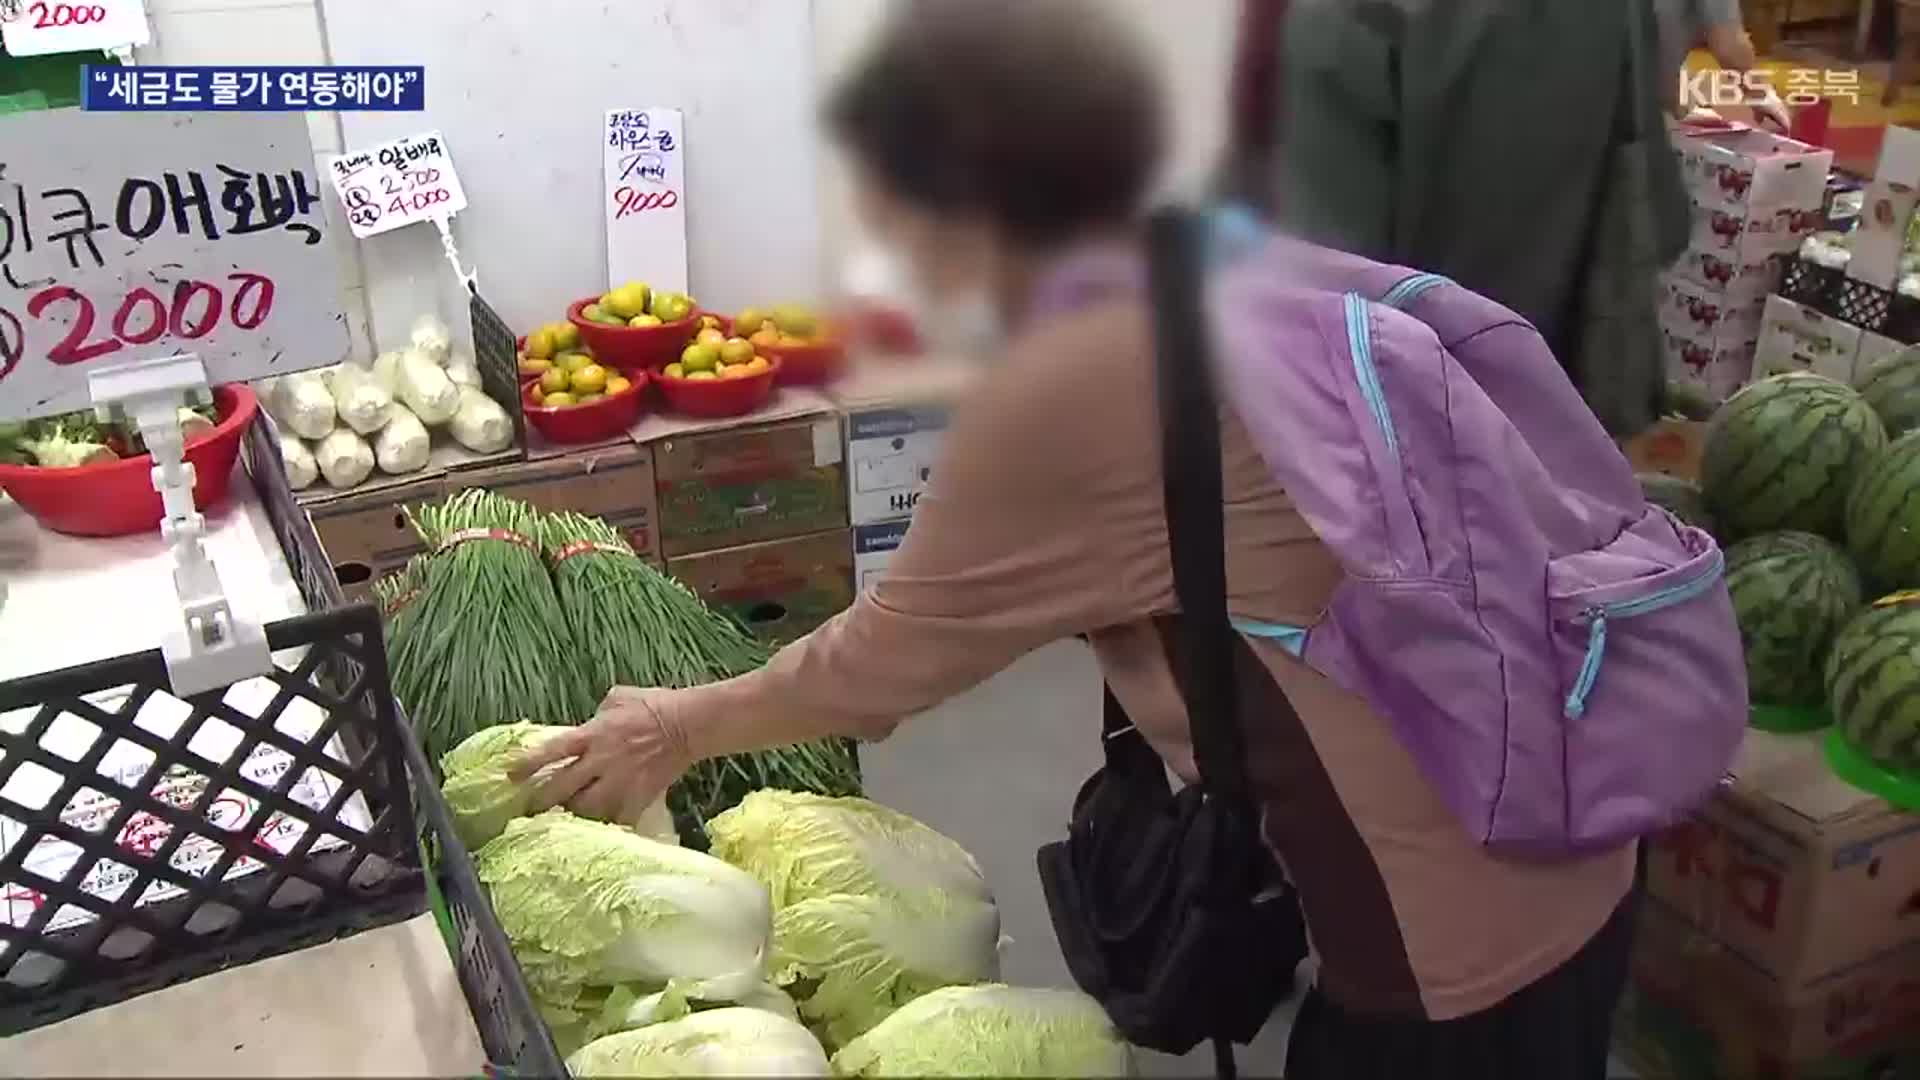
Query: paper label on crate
{"x": 873, "y": 548}
{"x": 127, "y": 763}
{"x": 643, "y": 158}
{"x": 129, "y": 236}
{"x": 826, "y": 443}
{"x": 39, "y": 27}
{"x": 398, "y": 183}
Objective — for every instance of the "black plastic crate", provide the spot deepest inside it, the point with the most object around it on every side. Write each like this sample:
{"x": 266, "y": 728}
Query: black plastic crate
{"x": 251, "y": 820}
{"x": 516, "y": 1040}
{"x": 1809, "y": 283}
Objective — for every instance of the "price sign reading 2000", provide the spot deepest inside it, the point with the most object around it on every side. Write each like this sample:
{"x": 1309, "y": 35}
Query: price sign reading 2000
{"x": 185, "y": 312}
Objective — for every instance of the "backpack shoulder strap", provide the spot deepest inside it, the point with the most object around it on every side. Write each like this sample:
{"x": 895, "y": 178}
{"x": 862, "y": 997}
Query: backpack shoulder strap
{"x": 1195, "y": 499}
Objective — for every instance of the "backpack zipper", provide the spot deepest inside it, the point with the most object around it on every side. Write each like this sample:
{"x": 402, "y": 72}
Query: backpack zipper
{"x": 1360, "y": 343}
{"x": 1409, "y": 289}
{"x": 1597, "y": 615}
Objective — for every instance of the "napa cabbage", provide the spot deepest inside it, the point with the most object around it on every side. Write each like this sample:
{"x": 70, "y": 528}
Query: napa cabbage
{"x": 990, "y": 1031}
{"x": 594, "y": 910}
{"x": 482, "y": 797}
{"x": 719, "y": 1042}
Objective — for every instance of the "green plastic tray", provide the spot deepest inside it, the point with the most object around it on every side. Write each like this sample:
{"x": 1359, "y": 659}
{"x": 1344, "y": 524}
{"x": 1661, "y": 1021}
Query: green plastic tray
{"x": 1856, "y": 768}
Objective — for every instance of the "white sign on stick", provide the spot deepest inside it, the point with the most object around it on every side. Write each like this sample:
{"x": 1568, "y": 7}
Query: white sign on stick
{"x": 132, "y": 235}
{"x": 400, "y": 182}
{"x": 36, "y": 27}
{"x": 646, "y": 192}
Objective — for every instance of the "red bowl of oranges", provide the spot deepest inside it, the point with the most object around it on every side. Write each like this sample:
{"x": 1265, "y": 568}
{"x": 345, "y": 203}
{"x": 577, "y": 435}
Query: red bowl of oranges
{"x": 718, "y": 375}
{"x": 808, "y": 349}
{"x": 577, "y": 414}
{"x": 633, "y": 326}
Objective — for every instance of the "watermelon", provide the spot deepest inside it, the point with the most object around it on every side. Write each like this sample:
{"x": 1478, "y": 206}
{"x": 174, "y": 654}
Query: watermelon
{"x": 1782, "y": 453}
{"x": 1681, "y": 498}
{"x": 1892, "y": 387}
{"x": 1873, "y": 682}
{"x": 1793, "y": 592}
{"x": 1883, "y": 515}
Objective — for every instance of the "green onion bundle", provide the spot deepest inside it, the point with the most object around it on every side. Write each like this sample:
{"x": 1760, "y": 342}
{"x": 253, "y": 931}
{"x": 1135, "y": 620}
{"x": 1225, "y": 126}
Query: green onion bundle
{"x": 484, "y": 640}
{"x": 634, "y": 626}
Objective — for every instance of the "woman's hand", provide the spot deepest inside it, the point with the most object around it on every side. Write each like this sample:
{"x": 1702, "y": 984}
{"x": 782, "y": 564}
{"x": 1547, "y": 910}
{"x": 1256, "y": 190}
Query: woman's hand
{"x": 623, "y": 759}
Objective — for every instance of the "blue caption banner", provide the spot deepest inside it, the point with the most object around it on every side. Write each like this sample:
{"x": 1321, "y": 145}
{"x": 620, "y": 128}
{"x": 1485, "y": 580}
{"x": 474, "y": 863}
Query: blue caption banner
{"x": 252, "y": 88}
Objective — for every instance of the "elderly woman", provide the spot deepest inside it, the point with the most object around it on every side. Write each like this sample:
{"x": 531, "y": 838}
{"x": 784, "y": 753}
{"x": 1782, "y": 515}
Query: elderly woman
{"x": 998, "y": 144}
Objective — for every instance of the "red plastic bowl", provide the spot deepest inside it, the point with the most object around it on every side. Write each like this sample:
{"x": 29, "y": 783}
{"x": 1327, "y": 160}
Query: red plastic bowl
{"x": 596, "y": 420}
{"x": 715, "y": 398}
{"x": 633, "y": 348}
{"x": 116, "y": 498}
{"x": 812, "y": 364}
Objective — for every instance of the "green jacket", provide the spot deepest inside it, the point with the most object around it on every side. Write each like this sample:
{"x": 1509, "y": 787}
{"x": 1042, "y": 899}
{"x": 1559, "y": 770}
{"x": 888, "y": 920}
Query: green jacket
{"x": 1482, "y": 139}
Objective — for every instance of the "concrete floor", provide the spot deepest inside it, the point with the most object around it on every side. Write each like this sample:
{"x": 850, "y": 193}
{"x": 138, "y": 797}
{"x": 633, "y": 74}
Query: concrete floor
{"x": 997, "y": 769}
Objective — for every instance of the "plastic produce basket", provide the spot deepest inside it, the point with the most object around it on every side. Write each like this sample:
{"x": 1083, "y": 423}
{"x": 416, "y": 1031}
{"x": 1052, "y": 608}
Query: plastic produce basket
{"x": 1831, "y": 292}
{"x": 516, "y": 1040}
{"x": 147, "y": 839}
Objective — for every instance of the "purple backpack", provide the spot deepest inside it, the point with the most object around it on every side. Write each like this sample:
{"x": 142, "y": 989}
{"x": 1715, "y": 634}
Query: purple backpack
{"x": 1559, "y": 656}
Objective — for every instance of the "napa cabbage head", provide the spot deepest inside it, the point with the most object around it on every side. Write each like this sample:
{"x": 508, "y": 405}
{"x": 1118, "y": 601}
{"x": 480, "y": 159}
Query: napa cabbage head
{"x": 483, "y": 799}
{"x": 804, "y": 846}
{"x": 849, "y": 961}
{"x": 589, "y": 906}
{"x": 719, "y": 1042}
{"x": 990, "y": 1031}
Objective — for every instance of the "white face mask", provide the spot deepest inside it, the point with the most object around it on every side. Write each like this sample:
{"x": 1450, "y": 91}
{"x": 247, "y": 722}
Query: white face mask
{"x": 967, "y": 326}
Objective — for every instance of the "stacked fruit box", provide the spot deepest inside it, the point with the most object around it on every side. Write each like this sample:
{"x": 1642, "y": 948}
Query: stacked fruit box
{"x": 1754, "y": 197}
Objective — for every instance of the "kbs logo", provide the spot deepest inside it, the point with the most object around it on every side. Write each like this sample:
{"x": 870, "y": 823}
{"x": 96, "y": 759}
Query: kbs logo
{"x": 1718, "y": 88}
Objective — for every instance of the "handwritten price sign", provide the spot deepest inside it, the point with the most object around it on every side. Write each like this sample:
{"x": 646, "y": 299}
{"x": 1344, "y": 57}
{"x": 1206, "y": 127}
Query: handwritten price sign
{"x": 125, "y": 236}
{"x": 34, "y": 27}
{"x": 396, "y": 184}
{"x": 644, "y": 158}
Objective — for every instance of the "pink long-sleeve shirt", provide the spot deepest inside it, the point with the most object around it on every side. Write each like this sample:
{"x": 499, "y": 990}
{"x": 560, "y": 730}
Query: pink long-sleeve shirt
{"x": 1044, "y": 520}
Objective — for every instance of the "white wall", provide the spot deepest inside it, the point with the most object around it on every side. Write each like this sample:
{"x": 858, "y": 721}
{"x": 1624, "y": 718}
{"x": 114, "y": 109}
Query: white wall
{"x": 518, "y": 88}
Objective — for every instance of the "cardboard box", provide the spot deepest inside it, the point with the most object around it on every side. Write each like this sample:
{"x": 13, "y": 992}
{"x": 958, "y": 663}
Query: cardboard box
{"x": 366, "y": 536}
{"x": 873, "y": 548}
{"x": 1717, "y": 364}
{"x": 1695, "y": 1011}
{"x": 1746, "y": 170}
{"x": 1873, "y": 349}
{"x": 1669, "y": 446}
{"x": 1881, "y": 237}
{"x": 890, "y": 455}
{"x": 1754, "y": 193}
{"x": 1734, "y": 280}
{"x": 1798, "y": 875}
{"x": 721, "y": 489}
{"x": 1795, "y": 337}
{"x": 1697, "y": 312}
{"x": 781, "y": 589}
{"x": 612, "y": 482}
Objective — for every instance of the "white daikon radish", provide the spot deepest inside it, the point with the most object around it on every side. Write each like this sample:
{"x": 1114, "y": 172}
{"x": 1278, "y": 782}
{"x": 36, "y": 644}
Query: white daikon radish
{"x": 300, "y": 403}
{"x": 463, "y": 371}
{"x": 481, "y": 425}
{"x": 403, "y": 445}
{"x": 361, "y": 402}
{"x": 422, "y": 386}
{"x": 386, "y": 371}
{"x": 301, "y": 469}
{"x": 431, "y": 336}
{"x": 344, "y": 458}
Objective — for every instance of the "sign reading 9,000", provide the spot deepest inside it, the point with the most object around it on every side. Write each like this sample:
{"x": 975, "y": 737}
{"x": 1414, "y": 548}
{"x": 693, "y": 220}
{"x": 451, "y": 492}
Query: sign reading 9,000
{"x": 130, "y": 236}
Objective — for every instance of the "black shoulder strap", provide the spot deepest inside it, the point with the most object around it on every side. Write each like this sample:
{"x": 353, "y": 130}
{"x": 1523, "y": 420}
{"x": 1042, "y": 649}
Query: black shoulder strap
{"x": 1195, "y": 501}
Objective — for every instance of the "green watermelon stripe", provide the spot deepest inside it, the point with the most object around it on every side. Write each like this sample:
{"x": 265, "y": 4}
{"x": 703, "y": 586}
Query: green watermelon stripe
{"x": 1873, "y": 738}
{"x": 1780, "y": 452}
{"x": 1844, "y": 692}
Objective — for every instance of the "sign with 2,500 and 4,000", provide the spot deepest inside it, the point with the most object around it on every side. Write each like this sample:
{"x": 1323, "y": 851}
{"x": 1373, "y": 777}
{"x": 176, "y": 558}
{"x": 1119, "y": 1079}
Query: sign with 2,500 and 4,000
{"x": 125, "y": 236}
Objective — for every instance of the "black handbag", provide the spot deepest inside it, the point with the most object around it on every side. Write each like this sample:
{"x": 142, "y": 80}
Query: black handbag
{"x": 1169, "y": 908}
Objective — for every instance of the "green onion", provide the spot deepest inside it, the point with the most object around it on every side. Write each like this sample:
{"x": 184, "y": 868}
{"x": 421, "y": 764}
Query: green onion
{"x": 634, "y": 626}
{"x": 483, "y": 641}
